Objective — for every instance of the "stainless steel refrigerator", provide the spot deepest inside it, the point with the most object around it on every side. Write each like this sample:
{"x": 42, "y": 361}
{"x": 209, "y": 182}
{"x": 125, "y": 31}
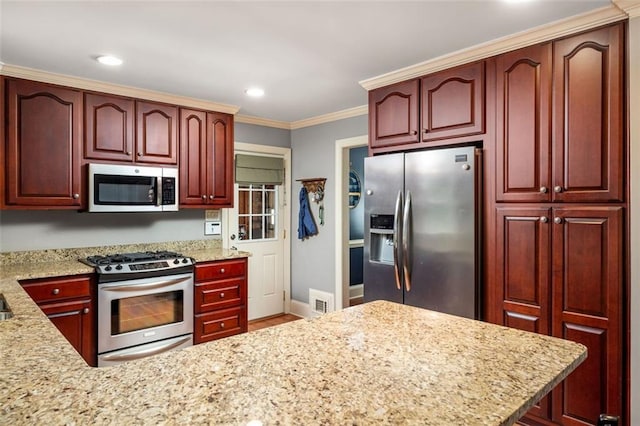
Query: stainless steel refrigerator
{"x": 421, "y": 244}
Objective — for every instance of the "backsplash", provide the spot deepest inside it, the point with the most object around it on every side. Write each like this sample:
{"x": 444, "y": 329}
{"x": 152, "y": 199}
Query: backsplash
{"x": 61, "y": 255}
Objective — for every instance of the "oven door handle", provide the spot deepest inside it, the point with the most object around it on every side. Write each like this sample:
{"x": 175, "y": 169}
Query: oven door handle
{"x": 145, "y": 352}
{"x": 149, "y": 286}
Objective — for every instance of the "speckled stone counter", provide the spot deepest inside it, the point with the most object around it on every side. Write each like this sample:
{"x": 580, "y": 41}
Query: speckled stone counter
{"x": 377, "y": 363}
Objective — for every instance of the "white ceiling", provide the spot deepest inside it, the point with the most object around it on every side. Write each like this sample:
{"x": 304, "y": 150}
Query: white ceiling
{"x": 307, "y": 55}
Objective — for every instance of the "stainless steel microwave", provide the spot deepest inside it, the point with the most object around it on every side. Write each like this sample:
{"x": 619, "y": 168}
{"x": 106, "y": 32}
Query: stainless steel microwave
{"x": 124, "y": 188}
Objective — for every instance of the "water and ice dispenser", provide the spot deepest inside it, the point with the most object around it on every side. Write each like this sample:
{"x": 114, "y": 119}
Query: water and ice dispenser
{"x": 381, "y": 238}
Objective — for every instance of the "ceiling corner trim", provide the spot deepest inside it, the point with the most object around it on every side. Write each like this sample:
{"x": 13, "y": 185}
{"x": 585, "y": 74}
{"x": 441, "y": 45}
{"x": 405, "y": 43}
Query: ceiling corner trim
{"x": 630, "y": 7}
{"x": 115, "y": 89}
{"x": 574, "y": 24}
{"x": 248, "y": 119}
{"x": 333, "y": 116}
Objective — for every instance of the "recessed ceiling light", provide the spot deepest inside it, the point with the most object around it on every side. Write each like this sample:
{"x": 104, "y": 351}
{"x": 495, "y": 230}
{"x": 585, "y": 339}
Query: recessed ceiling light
{"x": 254, "y": 92}
{"x": 109, "y": 60}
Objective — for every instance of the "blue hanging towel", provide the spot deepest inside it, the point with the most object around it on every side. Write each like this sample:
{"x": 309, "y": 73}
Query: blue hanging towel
{"x": 306, "y": 224}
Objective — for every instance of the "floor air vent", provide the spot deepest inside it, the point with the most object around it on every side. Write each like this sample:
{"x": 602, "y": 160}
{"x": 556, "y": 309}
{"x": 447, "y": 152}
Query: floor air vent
{"x": 320, "y": 302}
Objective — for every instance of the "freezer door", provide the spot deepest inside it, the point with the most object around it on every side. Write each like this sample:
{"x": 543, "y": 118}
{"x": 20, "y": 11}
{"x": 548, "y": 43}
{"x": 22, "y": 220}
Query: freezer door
{"x": 441, "y": 224}
{"x": 384, "y": 178}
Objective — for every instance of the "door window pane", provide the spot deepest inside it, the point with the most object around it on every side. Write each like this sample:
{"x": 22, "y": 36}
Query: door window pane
{"x": 257, "y": 212}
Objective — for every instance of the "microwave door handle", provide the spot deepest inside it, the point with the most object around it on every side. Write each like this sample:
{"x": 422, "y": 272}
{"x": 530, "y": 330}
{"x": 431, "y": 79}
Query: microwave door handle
{"x": 158, "y": 191}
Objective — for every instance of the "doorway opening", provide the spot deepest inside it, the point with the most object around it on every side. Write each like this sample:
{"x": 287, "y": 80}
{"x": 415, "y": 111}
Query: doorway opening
{"x": 345, "y": 198}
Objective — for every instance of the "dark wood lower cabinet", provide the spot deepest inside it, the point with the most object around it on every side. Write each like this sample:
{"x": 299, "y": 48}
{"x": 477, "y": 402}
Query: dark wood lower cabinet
{"x": 559, "y": 271}
{"x": 220, "y": 299}
{"x": 67, "y": 302}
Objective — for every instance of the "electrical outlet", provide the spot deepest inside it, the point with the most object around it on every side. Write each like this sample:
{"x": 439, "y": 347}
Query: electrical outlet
{"x": 212, "y": 228}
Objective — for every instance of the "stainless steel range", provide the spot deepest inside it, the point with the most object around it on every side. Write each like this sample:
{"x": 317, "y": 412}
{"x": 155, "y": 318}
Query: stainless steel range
{"x": 145, "y": 304}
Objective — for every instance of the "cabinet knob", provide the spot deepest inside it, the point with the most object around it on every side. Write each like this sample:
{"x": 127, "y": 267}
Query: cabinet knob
{"x": 558, "y": 220}
{"x": 128, "y": 152}
{"x": 221, "y": 325}
{"x": 543, "y": 189}
{"x": 222, "y": 270}
{"x": 139, "y": 154}
{"x": 557, "y": 189}
{"x": 544, "y": 219}
{"x": 76, "y": 196}
{"x": 414, "y": 132}
{"x": 211, "y": 197}
{"x": 204, "y": 197}
{"x": 55, "y": 291}
{"x": 85, "y": 311}
{"x": 222, "y": 295}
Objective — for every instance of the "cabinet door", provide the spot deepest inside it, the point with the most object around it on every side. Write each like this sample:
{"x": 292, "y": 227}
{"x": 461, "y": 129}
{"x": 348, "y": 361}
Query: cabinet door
{"x": 157, "y": 135}
{"x": 193, "y": 158}
{"x": 393, "y": 115}
{"x": 220, "y": 159}
{"x": 452, "y": 103}
{"x": 587, "y": 308}
{"x": 522, "y": 275}
{"x": 109, "y": 124}
{"x": 73, "y": 319}
{"x": 43, "y": 145}
{"x": 523, "y": 84}
{"x": 587, "y": 121}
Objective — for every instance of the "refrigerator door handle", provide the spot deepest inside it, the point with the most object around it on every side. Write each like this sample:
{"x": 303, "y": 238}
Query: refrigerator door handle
{"x": 406, "y": 242}
{"x": 397, "y": 232}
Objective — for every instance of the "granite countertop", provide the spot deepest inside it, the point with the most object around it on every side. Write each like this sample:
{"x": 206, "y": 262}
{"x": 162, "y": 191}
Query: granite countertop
{"x": 377, "y": 363}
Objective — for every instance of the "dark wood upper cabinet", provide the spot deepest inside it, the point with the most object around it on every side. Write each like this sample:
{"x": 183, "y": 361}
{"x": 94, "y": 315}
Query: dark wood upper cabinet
{"x": 157, "y": 133}
{"x": 206, "y": 159}
{"x": 523, "y": 150}
{"x": 109, "y": 127}
{"x": 393, "y": 115}
{"x": 452, "y": 103}
{"x": 587, "y": 120}
{"x": 43, "y": 152}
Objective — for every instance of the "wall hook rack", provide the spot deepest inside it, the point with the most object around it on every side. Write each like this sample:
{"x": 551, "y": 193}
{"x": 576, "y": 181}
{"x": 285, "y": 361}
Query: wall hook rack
{"x": 315, "y": 185}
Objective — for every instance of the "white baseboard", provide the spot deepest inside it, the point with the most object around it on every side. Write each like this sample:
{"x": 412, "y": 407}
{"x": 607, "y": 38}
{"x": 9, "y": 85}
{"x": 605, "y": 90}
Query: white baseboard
{"x": 300, "y": 309}
{"x": 356, "y": 291}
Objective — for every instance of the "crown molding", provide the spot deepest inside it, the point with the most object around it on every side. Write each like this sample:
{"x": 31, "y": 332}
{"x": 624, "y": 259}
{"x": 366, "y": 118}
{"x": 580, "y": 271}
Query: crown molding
{"x": 630, "y": 7}
{"x": 333, "y": 116}
{"x": 258, "y": 121}
{"x": 116, "y": 89}
{"x": 582, "y": 22}
{"x": 307, "y": 122}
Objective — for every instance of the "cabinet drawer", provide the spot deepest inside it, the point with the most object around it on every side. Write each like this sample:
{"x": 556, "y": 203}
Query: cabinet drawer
{"x": 219, "y": 294}
{"x": 219, "y": 324}
{"x": 221, "y": 270}
{"x": 49, "y": 290}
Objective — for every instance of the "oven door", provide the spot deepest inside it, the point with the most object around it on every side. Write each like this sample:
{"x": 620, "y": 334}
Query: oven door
{"x": 141, "y": 311}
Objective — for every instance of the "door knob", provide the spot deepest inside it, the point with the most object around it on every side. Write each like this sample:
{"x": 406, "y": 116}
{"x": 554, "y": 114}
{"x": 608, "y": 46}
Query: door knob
{"x": 233, "y": 236}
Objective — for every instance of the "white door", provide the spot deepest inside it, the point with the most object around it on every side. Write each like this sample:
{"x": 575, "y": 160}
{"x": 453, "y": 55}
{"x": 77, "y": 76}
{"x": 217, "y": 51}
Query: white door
{"x": 256, "y": 225}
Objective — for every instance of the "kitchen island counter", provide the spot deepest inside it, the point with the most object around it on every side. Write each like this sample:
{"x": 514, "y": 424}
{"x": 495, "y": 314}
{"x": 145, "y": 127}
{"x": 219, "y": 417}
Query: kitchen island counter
{"x": 374, "y": 363}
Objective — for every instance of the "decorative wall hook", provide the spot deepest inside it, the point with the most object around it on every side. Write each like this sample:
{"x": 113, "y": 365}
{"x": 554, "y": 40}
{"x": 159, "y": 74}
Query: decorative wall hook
{"x": 315, "y": 185}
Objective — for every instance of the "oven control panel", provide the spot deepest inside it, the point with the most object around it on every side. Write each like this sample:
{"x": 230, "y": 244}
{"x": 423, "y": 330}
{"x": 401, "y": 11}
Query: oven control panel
{"x": 161, "y": 265}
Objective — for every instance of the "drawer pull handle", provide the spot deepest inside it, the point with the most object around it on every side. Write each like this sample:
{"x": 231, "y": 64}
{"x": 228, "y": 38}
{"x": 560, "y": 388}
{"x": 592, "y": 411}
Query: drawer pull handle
{"x": 56, "y": 291}
{"x": 222, "y": 270}
{"x": 221, "y": 295}
{"x": 221, "y": 325}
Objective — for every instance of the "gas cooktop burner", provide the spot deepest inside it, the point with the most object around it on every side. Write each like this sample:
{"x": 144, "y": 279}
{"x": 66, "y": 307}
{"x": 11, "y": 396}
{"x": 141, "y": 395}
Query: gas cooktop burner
{"x": 138, "y": 264}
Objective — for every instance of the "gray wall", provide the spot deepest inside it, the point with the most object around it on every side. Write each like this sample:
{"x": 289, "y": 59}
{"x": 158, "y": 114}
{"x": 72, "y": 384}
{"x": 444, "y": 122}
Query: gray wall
{"x": 250, "y": 133}
{"x": 356, "y": 214}
{"x": 313, "y": 155}
{"x": 39, "y": 230}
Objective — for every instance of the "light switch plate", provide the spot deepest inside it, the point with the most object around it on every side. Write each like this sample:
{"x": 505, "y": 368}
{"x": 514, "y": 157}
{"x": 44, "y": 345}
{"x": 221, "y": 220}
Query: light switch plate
{"x": 212, "y": 215}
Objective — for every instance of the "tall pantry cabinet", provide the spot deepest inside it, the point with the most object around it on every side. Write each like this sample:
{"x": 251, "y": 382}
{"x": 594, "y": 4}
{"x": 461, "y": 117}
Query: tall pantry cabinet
{"x": 560, "y": 207}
